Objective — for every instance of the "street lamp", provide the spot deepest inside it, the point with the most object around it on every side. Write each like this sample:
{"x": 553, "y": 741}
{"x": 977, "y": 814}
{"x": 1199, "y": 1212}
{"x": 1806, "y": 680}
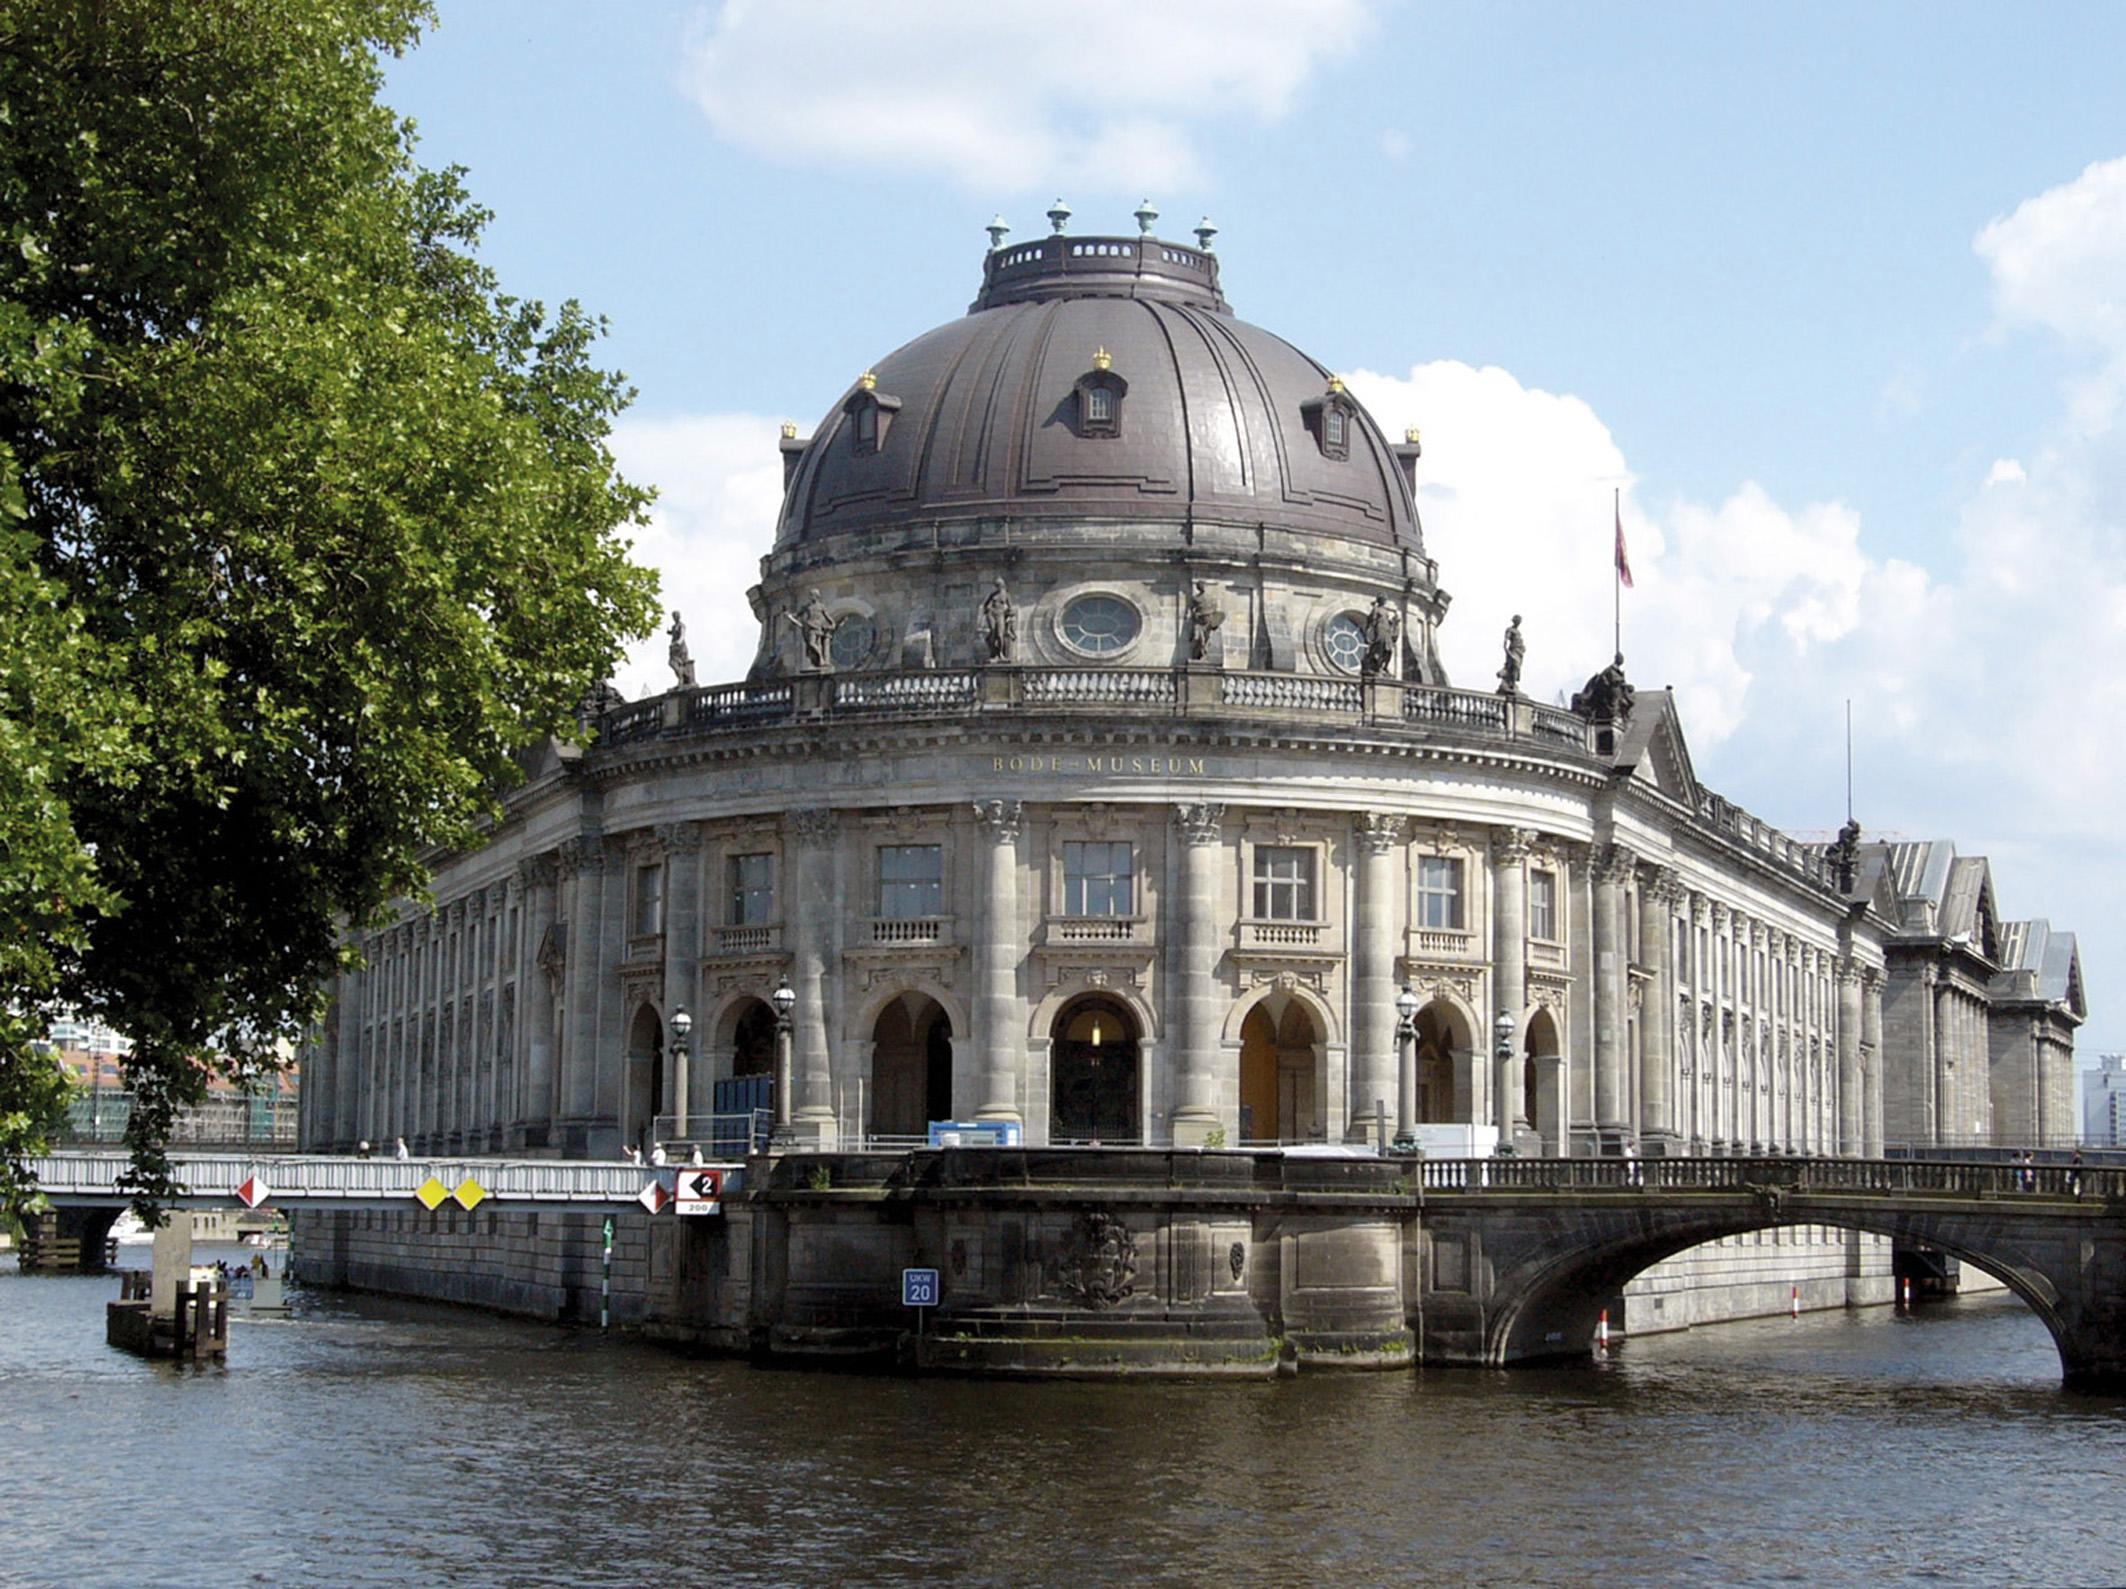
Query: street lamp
{"x": 682, "y": 1028}
{"x": 784, "y": 998}
{"x": 1406, "y": 1070}
{"x": 1503, "y": 1028}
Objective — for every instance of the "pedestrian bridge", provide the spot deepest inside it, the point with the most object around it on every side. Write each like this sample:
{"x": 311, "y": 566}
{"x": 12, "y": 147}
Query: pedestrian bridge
{"x": 1520, "y": 1256}
{"x": 93, "y": 1180}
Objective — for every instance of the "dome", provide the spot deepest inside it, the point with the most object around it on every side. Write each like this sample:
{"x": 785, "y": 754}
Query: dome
{"x": 1100, "y": 379}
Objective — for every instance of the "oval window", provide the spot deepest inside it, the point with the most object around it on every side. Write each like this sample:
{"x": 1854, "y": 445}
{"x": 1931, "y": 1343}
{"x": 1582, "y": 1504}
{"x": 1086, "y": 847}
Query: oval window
{"x": 853, "y": 639}
{"x": 1344, "y": 638}
{"x": 1100, "y": 626}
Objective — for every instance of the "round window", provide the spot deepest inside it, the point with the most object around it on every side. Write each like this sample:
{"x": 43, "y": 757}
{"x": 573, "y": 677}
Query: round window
{"x": 853, "y": 639}
{"x": 1344, "y": 638}
{"x": 1100, "y": 625}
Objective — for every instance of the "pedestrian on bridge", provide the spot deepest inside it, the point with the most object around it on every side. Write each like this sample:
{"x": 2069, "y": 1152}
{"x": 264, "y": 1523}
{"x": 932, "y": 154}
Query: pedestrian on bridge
{"x": 400, "y": 1152}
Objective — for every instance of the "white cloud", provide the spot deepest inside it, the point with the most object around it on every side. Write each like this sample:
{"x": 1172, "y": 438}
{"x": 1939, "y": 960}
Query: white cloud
{"x": 719, "y": 488}
{"x": 998, "y": 96}
{"x": 2006, "y": 472}
{"x": 2059, "y": 260}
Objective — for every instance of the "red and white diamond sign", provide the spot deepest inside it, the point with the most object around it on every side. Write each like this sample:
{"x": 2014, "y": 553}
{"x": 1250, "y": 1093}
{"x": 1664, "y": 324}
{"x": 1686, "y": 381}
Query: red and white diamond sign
{"x": 254, "y": 1191}
{"x": 655, "y": 1198}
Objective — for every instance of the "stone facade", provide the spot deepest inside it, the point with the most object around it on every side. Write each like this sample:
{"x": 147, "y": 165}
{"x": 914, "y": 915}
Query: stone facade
{"x": 1096, "y": 774}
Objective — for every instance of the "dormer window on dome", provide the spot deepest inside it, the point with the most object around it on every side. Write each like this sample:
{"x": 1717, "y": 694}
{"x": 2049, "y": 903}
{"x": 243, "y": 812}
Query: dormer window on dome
{"x": 1099, "y": 393}
{"x": 1330, "y": 419}
{"x": 870, "y": 414}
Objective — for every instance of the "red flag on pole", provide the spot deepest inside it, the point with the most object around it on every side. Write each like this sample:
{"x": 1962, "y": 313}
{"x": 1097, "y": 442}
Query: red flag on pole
{"x": 1623, "y": 561}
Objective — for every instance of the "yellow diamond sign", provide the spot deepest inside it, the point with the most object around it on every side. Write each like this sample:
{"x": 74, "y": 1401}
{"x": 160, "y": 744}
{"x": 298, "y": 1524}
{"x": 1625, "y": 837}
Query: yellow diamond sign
{"x": 470, "y": 1194}
{"x": 431, "y": 1193}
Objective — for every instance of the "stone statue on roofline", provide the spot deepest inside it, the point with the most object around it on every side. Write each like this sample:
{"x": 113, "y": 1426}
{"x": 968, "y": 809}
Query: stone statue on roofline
{"x": 1000, "y": 624}
{"x": 681, "y": 660}
{"x": 1205, "y": 614}
{"x": 815, "y": 626}
{"x": 1607, "y": 697}
{"x": 1384, "y": 627}
{"x": 1844, "y": 855}
{"x": 1516, "y": 649}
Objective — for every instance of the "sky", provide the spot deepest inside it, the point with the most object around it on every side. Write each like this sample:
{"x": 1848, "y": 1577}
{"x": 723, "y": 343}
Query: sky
{"x": 1835, "y": 296}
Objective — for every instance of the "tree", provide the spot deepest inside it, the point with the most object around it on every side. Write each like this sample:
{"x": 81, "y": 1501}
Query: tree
{"x": 317, "y": 528}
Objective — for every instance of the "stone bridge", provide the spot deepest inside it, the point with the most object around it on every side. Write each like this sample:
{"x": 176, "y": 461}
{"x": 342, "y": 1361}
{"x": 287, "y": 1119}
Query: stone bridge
{"x": 1519, "y": 1256}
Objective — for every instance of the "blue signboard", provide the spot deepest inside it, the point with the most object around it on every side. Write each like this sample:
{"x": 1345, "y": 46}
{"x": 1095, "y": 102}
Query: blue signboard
{"x": 919, "y": 1288}
{"x": 974, "y": 1133}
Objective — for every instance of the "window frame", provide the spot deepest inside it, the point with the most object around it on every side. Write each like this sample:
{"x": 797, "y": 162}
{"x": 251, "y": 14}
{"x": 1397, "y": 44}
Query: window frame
{"x": 1267, "y": 885}
{"x": 1453, "y": 898}
{"x": 737, "y": 912}
{"x": 647, "y": 898}
{"x": 1109, "y": 878}
{"x": 1549, "y": 905}
{"x": 889, "y": 901}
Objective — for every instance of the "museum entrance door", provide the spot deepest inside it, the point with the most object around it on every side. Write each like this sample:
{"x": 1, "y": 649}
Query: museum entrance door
{"x": 1442, "y": 1039}
{"x": 911, "y": 1067}
{"x": 1280, "y": 1053}
{"x": 1093, "y": 1073}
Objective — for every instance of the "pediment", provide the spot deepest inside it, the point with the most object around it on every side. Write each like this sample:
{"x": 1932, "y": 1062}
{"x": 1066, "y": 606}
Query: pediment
{"x": 1654, "y": 749}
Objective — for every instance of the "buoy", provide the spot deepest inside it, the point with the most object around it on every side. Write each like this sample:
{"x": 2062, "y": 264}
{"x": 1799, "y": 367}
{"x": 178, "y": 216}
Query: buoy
{"x": 1602, "y": 1332}
{"x": 1906, "y": 1304}
{"x": 1795, "y": 1300}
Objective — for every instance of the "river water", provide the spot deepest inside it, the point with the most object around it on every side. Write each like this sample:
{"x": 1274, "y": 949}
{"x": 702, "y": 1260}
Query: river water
{"x": 373, "y": 1442}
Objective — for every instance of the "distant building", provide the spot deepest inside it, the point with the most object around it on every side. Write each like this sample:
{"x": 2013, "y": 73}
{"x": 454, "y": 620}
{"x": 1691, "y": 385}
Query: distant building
{"x": 2104, "y": 1103}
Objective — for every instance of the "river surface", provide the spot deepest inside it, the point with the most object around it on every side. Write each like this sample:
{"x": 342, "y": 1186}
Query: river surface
{"x": 374, "y": 1442}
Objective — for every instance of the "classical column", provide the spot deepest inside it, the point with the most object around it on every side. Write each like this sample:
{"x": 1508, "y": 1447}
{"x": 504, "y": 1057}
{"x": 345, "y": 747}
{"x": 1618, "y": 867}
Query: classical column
{"x": 1936, "y": 1071}
{"x": 1871, "y": 1060}
{"x": 1195, "y": 1004}
{"x": 1373, "y": 1051}
{"x": 536, "y": 995}
{"x": 681, "y": 843}
{"x": 1657, "y": 1059}
{"x": 813, "y": 908}
{"x": 1612, "y": 1106}
{"x": 1849, "y": 1079}
{"x": 1509, "y": 960}
{"x": 583, "y": 865}
{"x": 996, "y": 960}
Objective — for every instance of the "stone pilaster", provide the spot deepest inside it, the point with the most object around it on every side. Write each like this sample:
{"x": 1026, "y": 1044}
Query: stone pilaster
{"x": 1197, "y": 948}
{"x": 1657, "y": 1057}
{"x": 996, "y": 960}
{"x": 1374, "y": 1068}
{"x": 539, "y": 987}
{"x": 813, "y": 833}
{"x": 681, "y": 843}
{"x": 582, "y": 863}
{"x": 1850, "y": 1106}
{"x": 1509, "y": 960}
{"x": 1611, "y": 1052}
{"x": 1871, "y": 1047}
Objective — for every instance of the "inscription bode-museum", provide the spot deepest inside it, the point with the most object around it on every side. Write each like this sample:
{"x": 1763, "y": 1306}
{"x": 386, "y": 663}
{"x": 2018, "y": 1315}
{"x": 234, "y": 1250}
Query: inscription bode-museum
{"x": 1088, "y": 763}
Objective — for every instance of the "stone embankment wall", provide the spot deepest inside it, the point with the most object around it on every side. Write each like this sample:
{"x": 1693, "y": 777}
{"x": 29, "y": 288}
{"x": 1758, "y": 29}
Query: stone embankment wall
{"x": 1754, "y": 1276}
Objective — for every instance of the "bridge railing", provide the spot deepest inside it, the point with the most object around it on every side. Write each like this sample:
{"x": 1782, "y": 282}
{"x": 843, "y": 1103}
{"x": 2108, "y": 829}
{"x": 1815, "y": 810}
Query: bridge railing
{"x": 1890, "y": 1177}
{"x": 297, "y": 1179}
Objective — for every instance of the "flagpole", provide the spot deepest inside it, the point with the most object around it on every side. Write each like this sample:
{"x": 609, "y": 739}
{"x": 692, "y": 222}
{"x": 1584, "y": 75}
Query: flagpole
{"x": 1616, "y": 569}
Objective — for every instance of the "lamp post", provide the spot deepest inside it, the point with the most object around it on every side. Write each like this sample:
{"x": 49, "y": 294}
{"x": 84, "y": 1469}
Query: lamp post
{"x": 682, "y": 1029}
{"x": 784, "y": 998}
{"x": 1503, "y": 1027}
{"x": 1406, "y": 1070}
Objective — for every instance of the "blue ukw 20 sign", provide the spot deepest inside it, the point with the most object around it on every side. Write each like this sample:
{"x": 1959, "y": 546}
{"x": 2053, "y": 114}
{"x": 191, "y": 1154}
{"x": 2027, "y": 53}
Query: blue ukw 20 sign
{"x": 919, "y": 1288}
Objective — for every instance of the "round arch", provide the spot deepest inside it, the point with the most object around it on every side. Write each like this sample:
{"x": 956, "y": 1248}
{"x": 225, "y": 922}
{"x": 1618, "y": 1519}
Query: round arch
{"x": 642, "y": 1084}
{"x": 869, "y": 1011}
{"x": 1446, "y": 1061}
{"x": 1041, "y": 1020}
{"x": 1558, "y": 1300}
{"x": 1324, "y": 1018}
{"x": 1543, "y": 1075}
{"x": 1283, "y": 1072}
{"x": 908, "y": 1061}
{"x": 1096, "y": 1071}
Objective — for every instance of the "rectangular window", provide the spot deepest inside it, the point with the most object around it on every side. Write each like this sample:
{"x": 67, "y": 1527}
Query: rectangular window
{"x": 1336, "y": 427}
{"x": 1096, "y": 403}
{"x": 649, "y": 900}
{"x": 1439, "y": 892}
{"x": 1284, "y": 882}
{"x": 911, "y": 881}
{"x": 1543, "y": 906}
{"x": 752, "y": 890}
{"x": 1098, "y": 878}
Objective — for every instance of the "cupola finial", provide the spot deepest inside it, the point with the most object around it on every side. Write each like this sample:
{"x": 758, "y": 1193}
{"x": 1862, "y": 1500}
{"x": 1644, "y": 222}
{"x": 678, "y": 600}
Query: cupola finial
{"x": 1103, "y": 360}
{"x": 1145, "y": 216}
{"x": 1205, "y": 231}
{"x": 998, "y": 230}
{"x": 1059, "y": 216}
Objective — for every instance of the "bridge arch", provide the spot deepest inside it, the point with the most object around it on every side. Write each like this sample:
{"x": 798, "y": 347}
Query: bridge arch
{"x": 1548, "y": 1305}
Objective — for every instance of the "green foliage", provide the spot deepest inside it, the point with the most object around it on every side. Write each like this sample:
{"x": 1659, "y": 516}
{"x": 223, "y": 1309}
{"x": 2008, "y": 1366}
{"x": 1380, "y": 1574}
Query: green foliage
{"x": 305, "y": 527}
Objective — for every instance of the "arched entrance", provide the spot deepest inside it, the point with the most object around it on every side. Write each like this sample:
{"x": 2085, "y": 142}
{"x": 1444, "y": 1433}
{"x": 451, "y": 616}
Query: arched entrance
{"x": 1443, "y": 1041}
{"x": 1093, "y": 1073}
{"x": 751, "y": 1044}
{"x": 645, "y": 1080}
{"x": 1542, "y": 1079}
{"x": 911, "y": 1066}
{"x": 1279, "y": 1055}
